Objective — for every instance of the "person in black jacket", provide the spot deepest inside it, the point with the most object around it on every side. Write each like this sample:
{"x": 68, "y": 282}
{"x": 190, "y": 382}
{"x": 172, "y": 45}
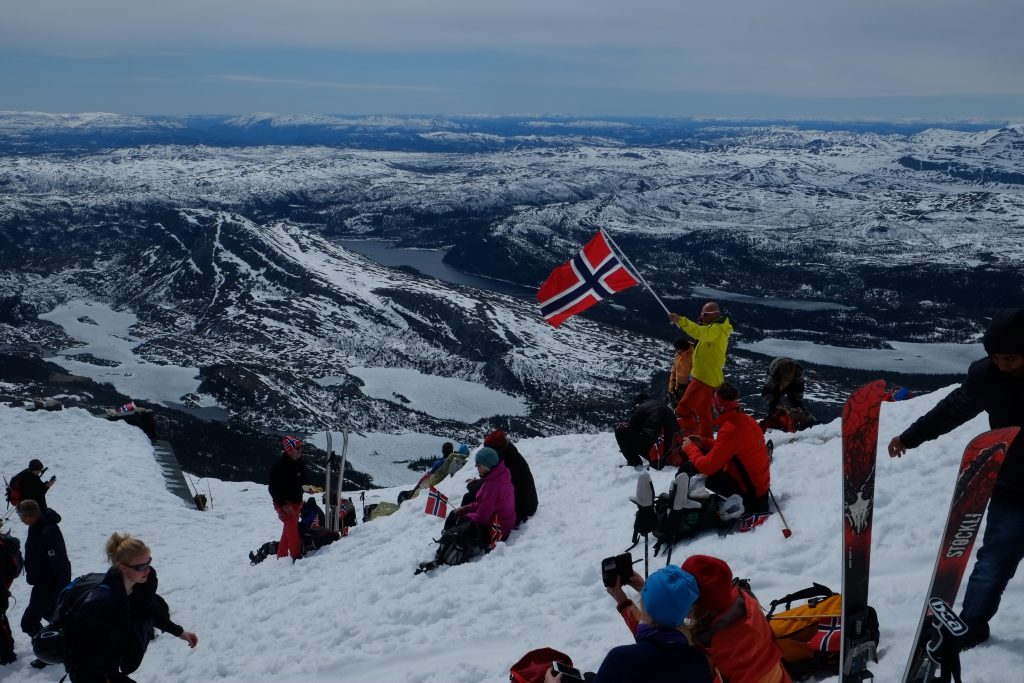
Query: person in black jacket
{"x": 522, "y": 477}
{"x": 650, "y": 419}
{"x": 47, "y": 568}
{"x": 30, "y": 485}
{"x": 996, "y": 385}
{"x": 288, "y": 481}
{"x": 111, "y": 629}
{"x": 8, "y": 572}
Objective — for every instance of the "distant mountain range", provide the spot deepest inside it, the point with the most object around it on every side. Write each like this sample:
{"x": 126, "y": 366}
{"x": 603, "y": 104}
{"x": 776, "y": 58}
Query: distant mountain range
{"x": 220, "y": 233}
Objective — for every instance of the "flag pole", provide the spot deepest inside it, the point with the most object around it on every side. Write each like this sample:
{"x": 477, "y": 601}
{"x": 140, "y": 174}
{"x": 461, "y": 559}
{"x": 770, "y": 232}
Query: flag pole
{"x": 634, "y": 269}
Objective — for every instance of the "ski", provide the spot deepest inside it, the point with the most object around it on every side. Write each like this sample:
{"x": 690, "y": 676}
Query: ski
{"x": 336, "y": 501}
{"x": 938, "y": 624}
{"x": 860, "y": 446}
{"x": 328, "y": 480}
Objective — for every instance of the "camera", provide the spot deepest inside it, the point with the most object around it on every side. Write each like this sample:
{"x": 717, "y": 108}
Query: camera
{"x": 619, "y": 566}
{"x": 568, "y": 672}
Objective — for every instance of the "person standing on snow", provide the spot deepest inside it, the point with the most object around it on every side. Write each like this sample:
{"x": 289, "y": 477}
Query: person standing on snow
{"x": 994, "y": 384}
{"x": 712, "y": 335}
{"x": 682, "y": 364}
{"x": 47, "y": 568}
{"x": 288, "y": 481}
{"x": 29, "y": 483}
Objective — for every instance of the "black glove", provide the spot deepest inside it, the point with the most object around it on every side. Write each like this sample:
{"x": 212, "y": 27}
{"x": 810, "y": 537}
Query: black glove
{"x": 646, "y": 521}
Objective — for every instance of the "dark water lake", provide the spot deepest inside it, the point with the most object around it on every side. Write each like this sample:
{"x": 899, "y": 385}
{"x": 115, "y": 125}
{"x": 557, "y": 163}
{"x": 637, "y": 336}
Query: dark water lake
{"x": 430, "y": 262}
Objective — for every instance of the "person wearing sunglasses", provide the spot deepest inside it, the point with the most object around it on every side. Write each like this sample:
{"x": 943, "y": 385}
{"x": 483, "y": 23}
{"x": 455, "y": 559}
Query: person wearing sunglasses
{"x": 113, "y": 625}
{"x": 712, "y": 335}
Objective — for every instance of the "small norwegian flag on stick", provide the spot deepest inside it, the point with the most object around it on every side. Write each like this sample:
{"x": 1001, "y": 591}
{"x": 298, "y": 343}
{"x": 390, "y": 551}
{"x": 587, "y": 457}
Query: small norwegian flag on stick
{"x": 437, "y": 503}
{"x": 495, "y": 531}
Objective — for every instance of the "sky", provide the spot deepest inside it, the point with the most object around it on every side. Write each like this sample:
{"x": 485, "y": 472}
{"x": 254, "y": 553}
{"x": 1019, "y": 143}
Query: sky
{"x": 355, "y": 612}
{"x": 874, "y": 59}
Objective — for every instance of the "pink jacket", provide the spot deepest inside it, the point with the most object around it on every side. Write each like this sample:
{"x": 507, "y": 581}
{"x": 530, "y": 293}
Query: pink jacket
{"x": 495, "y": 495}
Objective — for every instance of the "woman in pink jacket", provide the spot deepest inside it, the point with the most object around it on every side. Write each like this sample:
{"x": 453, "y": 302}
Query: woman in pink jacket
{"x": 496, "y": 496}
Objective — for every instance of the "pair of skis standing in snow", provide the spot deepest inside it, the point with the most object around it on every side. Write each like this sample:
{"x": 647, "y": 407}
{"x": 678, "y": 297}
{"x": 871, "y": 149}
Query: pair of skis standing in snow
{"x": 935, "y": 651}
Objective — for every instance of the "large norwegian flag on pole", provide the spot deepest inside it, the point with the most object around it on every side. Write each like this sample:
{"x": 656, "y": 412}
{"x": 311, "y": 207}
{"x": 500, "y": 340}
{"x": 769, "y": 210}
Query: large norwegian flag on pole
{"x": 591, "y": 275}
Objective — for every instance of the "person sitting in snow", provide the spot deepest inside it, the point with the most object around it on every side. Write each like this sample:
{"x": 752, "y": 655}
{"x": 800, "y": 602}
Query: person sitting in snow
{"x": 662, "y": 652}
{"x": 522, "y": 477}
{"x": 649, "y": 419}
{"x": 726, "y": 623}
{"x": 736, "y": 463}
{"x": 494, "y": 496}
{"x": 783, "y": 391}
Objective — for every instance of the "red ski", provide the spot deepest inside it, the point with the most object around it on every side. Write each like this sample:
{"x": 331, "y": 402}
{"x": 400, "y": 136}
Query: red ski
{"x": 860, "y": 446}
{"x": 979, "y": 469}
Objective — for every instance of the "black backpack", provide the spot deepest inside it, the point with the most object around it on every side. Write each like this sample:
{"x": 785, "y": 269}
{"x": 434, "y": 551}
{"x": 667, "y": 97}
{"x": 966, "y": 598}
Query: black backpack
{"x": 10, "y": 555}
{"x": 52, "y": 643}
{"x": 458, "y": 543}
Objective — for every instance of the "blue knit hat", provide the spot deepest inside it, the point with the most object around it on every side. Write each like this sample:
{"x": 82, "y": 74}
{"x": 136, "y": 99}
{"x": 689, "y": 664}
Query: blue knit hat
{"x": 488, "y": 457}
{"x": 463, "y": 449}
{"x": 669, "y": 595}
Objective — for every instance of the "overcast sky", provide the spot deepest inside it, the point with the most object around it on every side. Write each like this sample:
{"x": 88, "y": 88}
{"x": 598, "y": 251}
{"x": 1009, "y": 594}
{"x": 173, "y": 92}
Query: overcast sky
{"x": 889, "y": 59}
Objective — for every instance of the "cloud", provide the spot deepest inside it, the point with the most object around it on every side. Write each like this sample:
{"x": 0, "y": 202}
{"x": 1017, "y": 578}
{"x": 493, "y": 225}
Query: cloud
{"x": 238, "y": 78}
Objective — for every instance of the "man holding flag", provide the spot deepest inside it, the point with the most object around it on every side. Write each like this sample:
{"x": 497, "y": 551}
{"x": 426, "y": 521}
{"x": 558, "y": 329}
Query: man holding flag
{"x": 712, "y": 335}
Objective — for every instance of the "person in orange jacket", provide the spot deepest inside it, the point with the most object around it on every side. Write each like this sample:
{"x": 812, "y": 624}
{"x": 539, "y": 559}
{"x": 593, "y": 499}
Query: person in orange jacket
{"x": 726, "y": 623}
{"x": 736, "y": 462}
{"x": 682, "y": 364}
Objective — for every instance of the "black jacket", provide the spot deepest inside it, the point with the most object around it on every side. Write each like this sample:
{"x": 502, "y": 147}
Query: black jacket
{"x": 522, "y": 481}
{"x": 651, "y": 417}
{"x": 31, "y": 487}
{"x": 287, "y": 477}
{"x": 46, "y": 557}
{"x": 1000, "y": 395}
{"x": 111, "y": 630}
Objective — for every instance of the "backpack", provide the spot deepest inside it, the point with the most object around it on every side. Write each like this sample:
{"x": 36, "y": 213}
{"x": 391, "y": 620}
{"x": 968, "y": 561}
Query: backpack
{"x": 14, "y": 491}
{"x": 458, "y": 543}
{"x": 671, "y": 517}
{"x": 660, "y": 457}
{"x": 810, "y": 634}
{"x": 12, "y": 559}
{"x": 52, "y": 643}
{"x": 532, "y": 666}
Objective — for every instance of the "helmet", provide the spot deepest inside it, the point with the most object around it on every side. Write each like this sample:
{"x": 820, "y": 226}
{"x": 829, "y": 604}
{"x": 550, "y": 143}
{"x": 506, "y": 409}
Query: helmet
{"x": 49, "y": 645}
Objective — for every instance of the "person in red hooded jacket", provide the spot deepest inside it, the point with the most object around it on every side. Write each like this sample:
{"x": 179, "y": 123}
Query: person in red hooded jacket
{"x": 726, "y": 623}
{"x": 737, "y": 460}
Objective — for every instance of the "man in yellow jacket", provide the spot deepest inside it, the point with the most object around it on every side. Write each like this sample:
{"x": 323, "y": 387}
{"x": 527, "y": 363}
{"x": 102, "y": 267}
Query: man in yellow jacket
{"x": 712, "y": 335}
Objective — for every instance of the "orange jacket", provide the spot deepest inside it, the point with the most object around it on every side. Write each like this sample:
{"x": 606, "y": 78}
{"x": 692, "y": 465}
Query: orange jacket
{"x": 679, "y": 377}
{"x": 743, "y": 650}
{"x": 738, "y": 435}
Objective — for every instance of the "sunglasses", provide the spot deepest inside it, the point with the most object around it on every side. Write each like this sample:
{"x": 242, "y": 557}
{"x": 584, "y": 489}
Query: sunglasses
{"x": 140, "y": 567}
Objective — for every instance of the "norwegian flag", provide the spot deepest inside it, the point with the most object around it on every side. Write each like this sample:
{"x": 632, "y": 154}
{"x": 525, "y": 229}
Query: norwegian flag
{"x": 495, "y": 531}
{"x": 437, "y": 503}
{"x": 755, "y": 519}
{"x": 593, "y": 274}
{"x": 128, "y": 407}
{"x": 829, "y": 635}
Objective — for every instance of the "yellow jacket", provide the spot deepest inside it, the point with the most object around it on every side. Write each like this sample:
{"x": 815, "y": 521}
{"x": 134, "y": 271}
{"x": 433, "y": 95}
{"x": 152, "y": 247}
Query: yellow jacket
{"x": 712, "y": 343}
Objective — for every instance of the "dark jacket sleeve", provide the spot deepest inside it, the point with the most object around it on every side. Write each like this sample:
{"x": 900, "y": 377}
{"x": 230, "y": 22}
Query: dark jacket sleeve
{"x": 56, "y": 556}
{"x": 963, "y": 404}
{"x": 162, "y": 617}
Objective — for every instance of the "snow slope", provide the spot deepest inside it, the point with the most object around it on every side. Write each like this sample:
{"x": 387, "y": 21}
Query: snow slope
{"x": 354, "y": 612}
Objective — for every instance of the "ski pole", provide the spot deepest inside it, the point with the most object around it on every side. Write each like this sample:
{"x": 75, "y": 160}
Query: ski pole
{"x": 647, "y": 559}
{"x": 786, "y": 531}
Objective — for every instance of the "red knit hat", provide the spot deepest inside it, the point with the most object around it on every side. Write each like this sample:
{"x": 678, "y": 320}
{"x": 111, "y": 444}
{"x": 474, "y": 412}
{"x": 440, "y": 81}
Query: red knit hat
{"x": 714, "y": 577}
{"x": 495, "y": 440}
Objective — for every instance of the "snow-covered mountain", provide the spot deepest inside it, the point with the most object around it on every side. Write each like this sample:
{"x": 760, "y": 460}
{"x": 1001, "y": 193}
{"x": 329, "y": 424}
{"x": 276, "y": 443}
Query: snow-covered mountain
{"x": 354, "y": 611}
{"x": 223, "y": 248}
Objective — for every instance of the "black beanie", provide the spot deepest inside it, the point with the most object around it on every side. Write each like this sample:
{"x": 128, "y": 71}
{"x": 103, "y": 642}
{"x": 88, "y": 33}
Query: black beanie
{"x": 1006, "y": 333}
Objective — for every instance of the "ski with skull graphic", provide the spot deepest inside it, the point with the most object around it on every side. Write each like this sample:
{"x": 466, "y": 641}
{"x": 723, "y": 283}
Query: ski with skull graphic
{"x": 860, "y": 446}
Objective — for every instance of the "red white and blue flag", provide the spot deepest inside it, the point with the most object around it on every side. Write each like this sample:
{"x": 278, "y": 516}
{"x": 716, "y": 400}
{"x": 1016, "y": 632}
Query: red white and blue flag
{"x": 495, "y": 531}
{"x": 829, "y": 635}
{"x": 437, "y": 503}
{"x": 593, "y": 274}
{"x": 128, "y": 407}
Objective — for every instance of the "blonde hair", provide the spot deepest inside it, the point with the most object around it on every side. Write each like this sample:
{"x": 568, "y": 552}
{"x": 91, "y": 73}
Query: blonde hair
{"x": 124, "y": 547}
{"x": 30, "y": 508}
